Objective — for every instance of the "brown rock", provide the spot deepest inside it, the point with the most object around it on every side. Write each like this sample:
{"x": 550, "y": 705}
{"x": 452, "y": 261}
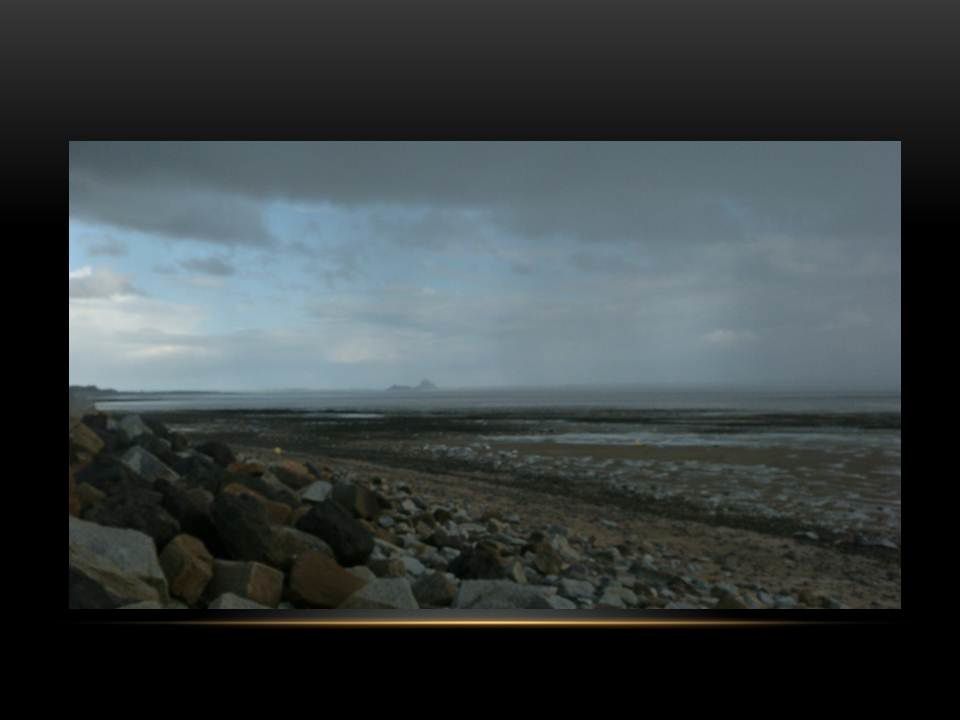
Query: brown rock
{"x": 392, "y": 567}
{"x": 359, "y": 501}
{"x": 89, "y": 496}
{"x": 278, "y": 512}
{"x": 298, "y": 513}
{"x": 85, "y": 444}
{"x": 317, "y": 580}
{"x": 547, "y": 560}
{"x": 188, "y": 566}
{"x": 74, "y": 499}
{"x": 246, "y": 468}
{"x": 293, "y": 473}
{"x": 252, "y": 580}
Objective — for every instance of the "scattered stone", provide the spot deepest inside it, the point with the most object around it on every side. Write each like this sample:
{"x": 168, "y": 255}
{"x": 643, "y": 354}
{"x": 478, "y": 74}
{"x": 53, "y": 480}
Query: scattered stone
{"x": 435, "y": 590}
{"x": 729, "y": 601}
{"x": 351, "y": 542}
{"x": 268, "y": 486}
{"x": 188, "y": 566}
{"x": 577, "y": 588}
{"x": 230, "y": 601}
{"x": 383, "y": 594}
{"x": 363, "y": 572}
{"x": 252, "y": 580}
{"x": 413, "y": 566}
{"x": 513, "y": 570}
{"x": 316, "y": 580}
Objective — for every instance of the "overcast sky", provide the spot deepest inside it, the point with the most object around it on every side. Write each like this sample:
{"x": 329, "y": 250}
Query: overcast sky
{"x": 234, "y": 266}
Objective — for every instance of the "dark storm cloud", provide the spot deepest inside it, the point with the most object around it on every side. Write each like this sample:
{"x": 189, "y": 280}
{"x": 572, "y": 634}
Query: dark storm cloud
{"x": 110, "y": 247}
{"x": 208, "y": 266}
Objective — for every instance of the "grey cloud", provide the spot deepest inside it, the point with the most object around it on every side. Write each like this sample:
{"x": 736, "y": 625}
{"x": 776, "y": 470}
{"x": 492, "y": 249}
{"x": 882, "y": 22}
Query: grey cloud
{"x": 208, "y": 266}
{"x": 89, "y": 284}
{"x": 109, "y": 247}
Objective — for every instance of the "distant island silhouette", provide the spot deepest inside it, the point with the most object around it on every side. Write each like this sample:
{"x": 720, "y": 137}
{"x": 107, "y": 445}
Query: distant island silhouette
{"x": 424, "y": 385}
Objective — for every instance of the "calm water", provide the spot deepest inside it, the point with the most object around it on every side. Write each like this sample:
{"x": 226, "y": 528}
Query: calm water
{"x": 704, "y": 401}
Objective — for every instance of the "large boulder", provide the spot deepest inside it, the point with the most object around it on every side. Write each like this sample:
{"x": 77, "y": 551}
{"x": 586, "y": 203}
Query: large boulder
{"x": 277, "y": 512}
{"x": 198, "y": 470}
{"x": 130, "y": 552}
{"x": 108, "y": 474}
{"x": 136, "y": 509}
{"x": 288, "y": 543}
{"x": 157, "y": 428}
{"x": 188, "y": 566}
{"x": 293, "y": 474}
{"x": 147, "y": 465}
{"x": 159, "y": 447}
{"x": 229, "y": 601}
{"x": 191, "y": 506}
{"x": 220, "y": 452}
{"x": 265, "y": 485}
{"x": 359, "y": 501}
{"x": 500, "y": 595}
{"x": 97, "y": 583}
{"x": 383, "y": 594}
{"x": 317, "y": 580}
{"x": 350, "y": 541}
{"x": 243, "y": 526}
{"x": 480, "y": 562}
{"x": 435, "y": 590}
{"x": 252, "y": 580}
{"x": 85, "y": 444}
{"x": 130, "y": 428}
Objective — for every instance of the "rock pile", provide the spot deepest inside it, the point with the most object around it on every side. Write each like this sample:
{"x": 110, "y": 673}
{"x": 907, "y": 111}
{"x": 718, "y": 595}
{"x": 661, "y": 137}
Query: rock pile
{"x": 156, "y": 523}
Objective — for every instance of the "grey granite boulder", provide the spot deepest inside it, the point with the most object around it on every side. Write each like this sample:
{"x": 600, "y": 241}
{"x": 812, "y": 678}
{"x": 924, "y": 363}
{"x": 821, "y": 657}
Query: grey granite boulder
{"x": 242, "y": 525}
{"x": 500, "y": 595}
{"x": 147, "y": 465}
{"x": 229, "y": 601}
{"x": 383, "y": 594}
{"x": 316, "y": 492}
{"x": 130, "y": 552}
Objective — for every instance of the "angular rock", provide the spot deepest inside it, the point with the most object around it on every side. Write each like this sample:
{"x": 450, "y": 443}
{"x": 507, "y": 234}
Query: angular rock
{"x": 242, "y": 467}
{"x": 266, "y": 485}
{"x": 359, "y": 501}
{"x": 363, "y": 572}
{"x": 158, "y": 447}
{"x": 482, "y": 561}
{"x": 97, "y": 583}
{"x": 413, "y": 566}
{"x": 387, "y": 567}
{"x": 500, "y": 595}
{"x": 85, "y": 444}
{"x": 88, "y": 496}
{"x": 513, "y": 570}
{"x": 188, "y": 566}
{"x": 147, "y": 465}
{"x": 131, "y": 427}
{"x": 136, "y": 509}
{"x": 547, "y": 560}
{"x": 277, "y": 512}
{"x": 316, "y": 492}
{"x": 230, "y": 601}
{"x": 252, "y": 580}
{"x": 317, "y": 580}
{"x": 383, "y": 594}
{"x": 293, "y": 474}
{"x": 191, "y": 506}
{"x": 350, "y": 541}
{"x": 242, "y": 525}
{"x": 288, "y": 543}
{"x": 133, "y": 553}
{"x": 561, "y": 603}
{"x": 435, "y": 590}
{"x": 110, "y": 475}
{"x": 220, "y": 452}
{"x": 577, "y": 588}
{"x": 198, "y": 470}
